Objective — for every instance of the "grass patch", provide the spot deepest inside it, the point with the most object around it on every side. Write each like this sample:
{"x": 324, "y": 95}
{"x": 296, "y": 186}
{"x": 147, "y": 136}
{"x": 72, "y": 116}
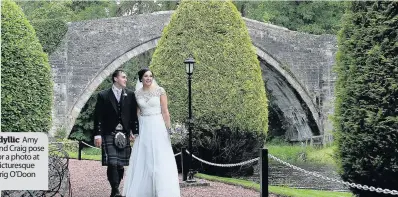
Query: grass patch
{"x": 288, "y": 153}
{"x": 322, "y": 156}
{"x": 73, "y": 155}
{"x": 303, "y": 154}
{"x": 87, "y": 154}
{"x": 284, "y": 191}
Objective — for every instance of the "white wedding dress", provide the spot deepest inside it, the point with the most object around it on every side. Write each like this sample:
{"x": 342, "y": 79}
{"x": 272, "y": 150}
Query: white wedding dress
{"x": 153, "y": 170}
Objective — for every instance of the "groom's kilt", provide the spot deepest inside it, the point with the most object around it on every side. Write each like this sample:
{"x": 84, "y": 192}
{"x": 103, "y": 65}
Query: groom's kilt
{"x": 111, "y": 155}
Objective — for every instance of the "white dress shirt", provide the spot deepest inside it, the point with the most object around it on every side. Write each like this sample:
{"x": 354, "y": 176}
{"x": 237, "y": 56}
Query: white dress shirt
{"x": 117, "y": 92}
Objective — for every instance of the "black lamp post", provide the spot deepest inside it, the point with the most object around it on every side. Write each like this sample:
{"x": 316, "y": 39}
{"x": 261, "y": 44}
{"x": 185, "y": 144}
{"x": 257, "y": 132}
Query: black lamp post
{"x": 189, "y": 63}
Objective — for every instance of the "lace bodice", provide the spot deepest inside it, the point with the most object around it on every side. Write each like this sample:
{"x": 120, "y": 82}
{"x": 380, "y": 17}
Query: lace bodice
{"x": 149, "y": 101}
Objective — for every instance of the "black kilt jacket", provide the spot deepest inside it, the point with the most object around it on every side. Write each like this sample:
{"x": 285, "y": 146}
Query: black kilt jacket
{"x": 108, "y": 112}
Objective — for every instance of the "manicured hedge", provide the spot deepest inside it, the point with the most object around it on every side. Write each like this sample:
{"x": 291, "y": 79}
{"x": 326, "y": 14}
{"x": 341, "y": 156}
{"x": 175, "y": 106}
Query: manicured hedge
{"x": 26, "y": 81}
{"x": 227, "y": 86}
{"x": 366, "y": 116}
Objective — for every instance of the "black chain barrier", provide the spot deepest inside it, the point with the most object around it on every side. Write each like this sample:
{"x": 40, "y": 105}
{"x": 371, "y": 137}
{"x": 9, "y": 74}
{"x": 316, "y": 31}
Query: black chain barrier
{"x": 58, "y": 175}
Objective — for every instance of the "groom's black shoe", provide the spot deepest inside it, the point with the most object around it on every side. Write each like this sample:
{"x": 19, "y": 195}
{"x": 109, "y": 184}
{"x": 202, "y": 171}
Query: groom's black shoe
{"x": 115, "y": 192}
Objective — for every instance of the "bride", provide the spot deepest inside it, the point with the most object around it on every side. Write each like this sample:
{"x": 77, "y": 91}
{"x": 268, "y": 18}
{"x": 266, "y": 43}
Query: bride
{"x": 153, "y": 170}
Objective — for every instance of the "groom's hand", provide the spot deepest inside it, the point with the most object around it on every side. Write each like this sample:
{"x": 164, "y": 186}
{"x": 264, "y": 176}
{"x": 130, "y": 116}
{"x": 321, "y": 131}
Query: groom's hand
{"x": 98, "y": 142}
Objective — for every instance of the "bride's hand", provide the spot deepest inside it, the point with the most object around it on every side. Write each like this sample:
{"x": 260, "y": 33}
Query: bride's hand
{"x": 132, "y": 137}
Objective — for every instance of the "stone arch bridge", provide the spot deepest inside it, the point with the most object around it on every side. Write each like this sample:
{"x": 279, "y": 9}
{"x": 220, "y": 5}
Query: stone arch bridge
{"x": 297, "y": 67}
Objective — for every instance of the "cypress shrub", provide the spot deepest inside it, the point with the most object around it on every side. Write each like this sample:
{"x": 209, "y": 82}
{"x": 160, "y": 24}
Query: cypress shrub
{"x": 227, "y": 86}
{"x": 229, "y": 100}
{"x": 26, "y": 81}
{"x": 366, "y": 118}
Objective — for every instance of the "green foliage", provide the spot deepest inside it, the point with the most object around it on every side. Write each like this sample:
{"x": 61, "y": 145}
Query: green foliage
{"x": 50, "y": 18}
{"x": 50, "y": 33}
{"x": 316, "y": 17}
{"x": 26, "y": 82}
{"x": 78, "y": 6}
{"x": 224, "y": 146}
{"x": 68, "y": 145}
{"x": 89, "y": 10}
{"x": 299, "y": 153}
{"x": 60, "y": 133}
{"x": 50, "y": 10}
{"x": 227, "y": 88}
{"x": 49, "y": 21}
{"x": 366, "y": 117}
{"x": 143, "y": 7}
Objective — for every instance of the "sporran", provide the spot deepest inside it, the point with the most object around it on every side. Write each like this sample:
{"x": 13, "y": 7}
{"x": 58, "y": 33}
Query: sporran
{"x": 120, "y": 139}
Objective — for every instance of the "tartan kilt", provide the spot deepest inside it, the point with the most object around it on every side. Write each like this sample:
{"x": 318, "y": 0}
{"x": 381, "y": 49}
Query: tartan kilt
{"x": 111, "y": 155}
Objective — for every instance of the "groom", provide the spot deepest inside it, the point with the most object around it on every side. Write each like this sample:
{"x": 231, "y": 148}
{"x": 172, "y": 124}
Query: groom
{"x": 115, "y": 116}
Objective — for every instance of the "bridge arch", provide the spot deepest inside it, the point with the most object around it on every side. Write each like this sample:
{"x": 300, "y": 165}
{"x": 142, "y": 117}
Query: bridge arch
{"x": 91, "y": 50}
{"x": 291, "y": 80}
{"x": 296, "y": 92}
{"x": 102, "y": 75}
{"x": 151, "y": 44}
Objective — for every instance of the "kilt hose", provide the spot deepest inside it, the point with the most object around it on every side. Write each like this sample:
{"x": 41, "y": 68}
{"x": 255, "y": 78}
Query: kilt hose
{"x": 112, "y": 155}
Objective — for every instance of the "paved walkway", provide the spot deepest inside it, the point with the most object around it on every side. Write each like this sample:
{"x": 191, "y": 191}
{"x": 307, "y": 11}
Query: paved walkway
{"x": 88, "y": 179}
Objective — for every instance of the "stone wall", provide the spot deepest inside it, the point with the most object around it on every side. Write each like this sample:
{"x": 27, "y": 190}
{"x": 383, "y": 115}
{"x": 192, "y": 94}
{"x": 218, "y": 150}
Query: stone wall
{"x": 92, "y": 50}
{"x": 308, "y": 58}
{"x": 88, "y": 49}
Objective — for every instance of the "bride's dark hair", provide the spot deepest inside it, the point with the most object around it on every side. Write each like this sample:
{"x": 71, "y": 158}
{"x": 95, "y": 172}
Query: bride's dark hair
{"x": 142, "y": 72}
